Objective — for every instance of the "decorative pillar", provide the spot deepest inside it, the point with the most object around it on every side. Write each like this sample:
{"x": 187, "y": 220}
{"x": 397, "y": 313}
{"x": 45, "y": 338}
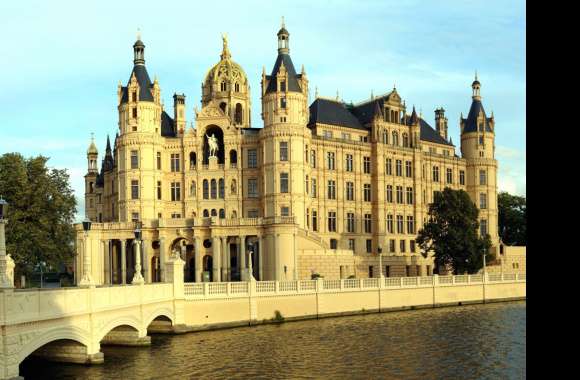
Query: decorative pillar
{"x": 216, "y": 259}
{"x": 4, "y": 280}
{"x": 137, "y": 276}
{"x": 260, "y": 258}
{"x": 145, "y": 261}
{"x": 87, "y": 279}
{"x": 107, "y": 263}
{"x": 243, "y": 273}
{"x": 123, "y": 261}
{"x": 225, "y": 257}
{"x": 198, "y": 261}
{"x": 162, "y": 259}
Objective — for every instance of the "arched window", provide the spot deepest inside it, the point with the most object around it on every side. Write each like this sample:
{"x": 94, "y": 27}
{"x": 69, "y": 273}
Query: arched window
{"x": 405, "y": 140}
{"x": 213, "y": 189}
{"x": 222, "y": 188}
{"x": 385, "y": 137}
{"x": 395, "y": 138}
{"x": 223, "y": 107}
{"x": 223, "y": 86}
{"x": 205, "y": 213}
{"x": 213, "y": 212}
{"x": 205, "y": 189}
{"x": 192, "y": 160}
{"x": 239, "y": 114}
{"x": 192, "y": 189}
{"x": 222, "y": 213}
{"x": 234, "y": 214}
{"x": 233, "y": 158}
{"x": 237, "y": 86}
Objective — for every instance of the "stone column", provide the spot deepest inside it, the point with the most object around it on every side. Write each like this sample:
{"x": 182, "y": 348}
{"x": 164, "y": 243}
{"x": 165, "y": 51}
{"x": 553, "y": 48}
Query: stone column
{"x": 260, "y": 258}
{"x": 243, "y": 271}
{"x": 162, "y": 259}
{"x": 106, "y": 263}
{"x": 123, "y": 261}
{"x": 198, "y": 260}
{"x": 5, "y": 282}
{"x": 225, "y": 257}
{"x": 145, "y": 261}
{"x": 216, "y": 252}
{"x": 87, "y": 279}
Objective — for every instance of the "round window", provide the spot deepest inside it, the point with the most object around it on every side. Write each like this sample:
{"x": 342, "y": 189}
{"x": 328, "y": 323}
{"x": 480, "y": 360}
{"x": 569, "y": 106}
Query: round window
{"x": 207, "y": 243}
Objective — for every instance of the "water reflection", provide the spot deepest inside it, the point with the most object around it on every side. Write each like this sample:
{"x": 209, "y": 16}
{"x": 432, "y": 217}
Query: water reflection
{"x": 468, "y": 342}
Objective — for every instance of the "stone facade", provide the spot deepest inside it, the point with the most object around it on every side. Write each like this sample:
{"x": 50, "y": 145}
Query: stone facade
{"x": 318, "y": 189}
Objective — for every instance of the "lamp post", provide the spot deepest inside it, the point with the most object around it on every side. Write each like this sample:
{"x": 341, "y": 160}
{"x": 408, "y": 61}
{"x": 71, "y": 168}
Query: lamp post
{"x": 250, "y": 265}
{"x": 138, "y": 277}
{"x": 87, "y": 279}
{"x": 5, "y": 282}
{"x": 380, "y": 251}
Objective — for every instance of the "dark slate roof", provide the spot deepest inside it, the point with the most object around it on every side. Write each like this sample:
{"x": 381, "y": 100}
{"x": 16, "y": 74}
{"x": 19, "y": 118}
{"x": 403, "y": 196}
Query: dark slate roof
{"x": 100, "y": 182}
{"x": 292, "y": 84}
{"x": 167, "y": 126}
{"x": 427, "y": 133}
{"x": 470, "y": 124}
{"x": 366, "y": 111}
{"x": 145, "y": 85}
{"x": 331, "y": 112}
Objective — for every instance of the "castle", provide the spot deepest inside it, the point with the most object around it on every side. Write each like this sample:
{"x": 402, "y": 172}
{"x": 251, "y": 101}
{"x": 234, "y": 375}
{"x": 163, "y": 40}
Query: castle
{"x": 321, "y": 188}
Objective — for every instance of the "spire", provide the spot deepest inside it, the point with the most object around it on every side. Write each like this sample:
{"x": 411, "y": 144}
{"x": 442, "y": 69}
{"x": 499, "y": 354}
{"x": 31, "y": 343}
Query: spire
{"x": 139, "y": 50}
{"x": 108, "y": 149}
{"x": 225, "y": 51}
{"x": 283, "y": 39}
{"x": 337, "y": 95}
{"x": 476, "y": 86}
{"x": 414, "y": 119}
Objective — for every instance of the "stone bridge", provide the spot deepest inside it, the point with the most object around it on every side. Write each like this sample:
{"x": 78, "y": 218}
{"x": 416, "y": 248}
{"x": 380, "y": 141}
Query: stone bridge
{"x": 70, "y": 324}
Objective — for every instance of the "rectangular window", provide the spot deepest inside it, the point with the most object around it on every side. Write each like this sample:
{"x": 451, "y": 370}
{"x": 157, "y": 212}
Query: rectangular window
{"x": 392, "y": 245}
{"x": 449, "y": 175}
{"x": 408, "y": 169}
{"x": 285, "y": 211}
{"x": 313, "y": 158}
{"x": 327, "y": 134}
{"x": 134, "y": 189}
{"x": 349, "y": 165}
{"x": 389, "y": 166}
{"x": 331, "y": 189}
{"x": 332, "y": 221}
{"x": 390, "y": 224}
{"x": 135, "y": 216}
{"x": 252, "y": 187}
{"x": 345, "y": 136}
{"x": 308, "y": 218}
{"x": 351, "y": 244}
{"x": 314, "y": 190}
{"x": 436, "y": 173}
{"x": 175, "y": 191}
{"x": 175, "y": 162}
{"x": 367, "y": 192}
{"x": 252, "y": 158}
{"x": 134, "y": 159}
{"x": 370, "y": 250}
{"x": 403, "y": 245}
{"x": 283, "y": 150}
{"x": 410, "y": 225}
{"x": 158, "y": 189}
{"x": 462, "y": 177}
{"x": 388, "y": 271}
{"x": 482, "y": 177}
{"x": 283, "y": 86}
{"x": 400, "y": 194}
{"x": 367, "y": 165}
{"x": 399, "y": 168}
{"x": 390, "y": 193}
{"x": 314, "y": 220}
{"x": 483, "y": 227}
{"x": 158, "y": 160}
{"x": 412, "y": 246}
{"x": 283, "y": 182}
{"x": 350, "y": 222}
{"x": 350, "y": 191}
{"x": 409, "y": 195}
{"x": 282, "y": 102}
{"x": 134, "y": 113}
{"x": 307, "y": 185}
{"x": 483, "y": 201}
{"x": 400, "y": 224}
{"x": 330, "y": 160}
{"x": 368, "y": 224}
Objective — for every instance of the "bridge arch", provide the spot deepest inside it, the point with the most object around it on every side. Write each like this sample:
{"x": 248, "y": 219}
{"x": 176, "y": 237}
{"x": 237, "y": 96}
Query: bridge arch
{"x": 161, "y": 312}
{"x": 121, "y": 321}
{"x": 62, "y": 333}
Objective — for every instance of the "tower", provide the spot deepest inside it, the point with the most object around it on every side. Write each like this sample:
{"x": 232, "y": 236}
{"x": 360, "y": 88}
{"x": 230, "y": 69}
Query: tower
{"x": 478, "y": 148}
{"x": 441, "y": 122}
{"x": 285, "y": 140}
{"x": 91, "y": 180}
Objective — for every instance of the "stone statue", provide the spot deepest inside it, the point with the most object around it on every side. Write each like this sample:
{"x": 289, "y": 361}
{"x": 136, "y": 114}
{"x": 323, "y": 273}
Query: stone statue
{"x": 213, "y": 144}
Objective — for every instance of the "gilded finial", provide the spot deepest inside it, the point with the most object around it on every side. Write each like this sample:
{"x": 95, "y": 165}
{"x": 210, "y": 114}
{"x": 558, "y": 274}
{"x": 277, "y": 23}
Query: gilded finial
{"x": 138, "y": 34}
{"x": 92, "y": 137}
{"x": 475, "y": 74}
{"x": 283, "y": 25}
{"x": 225, "y": 51}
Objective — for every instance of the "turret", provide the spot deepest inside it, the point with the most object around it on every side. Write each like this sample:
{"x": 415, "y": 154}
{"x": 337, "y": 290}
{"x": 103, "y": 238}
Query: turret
{"x": 91, "y": 180}
{"x": 441, "y": 122}
{"x": 92, "y": 155}
{"x": 179, "y": 112}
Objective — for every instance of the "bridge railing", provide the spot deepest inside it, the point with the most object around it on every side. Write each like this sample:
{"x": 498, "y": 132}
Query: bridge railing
{"x": 204, "y": 290}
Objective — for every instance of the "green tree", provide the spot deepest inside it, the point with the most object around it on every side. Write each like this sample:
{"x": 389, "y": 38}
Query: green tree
{"x": 41, "y": 211}
{"x": 512, "y": 219}
{"x": 452, "y": 233}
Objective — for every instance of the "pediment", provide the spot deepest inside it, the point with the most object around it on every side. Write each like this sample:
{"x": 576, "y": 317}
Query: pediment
{"x": 209, "y": 111}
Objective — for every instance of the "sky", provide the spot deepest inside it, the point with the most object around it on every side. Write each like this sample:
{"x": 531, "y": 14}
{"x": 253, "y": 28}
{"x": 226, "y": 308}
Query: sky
{"x": 61, "y": 62}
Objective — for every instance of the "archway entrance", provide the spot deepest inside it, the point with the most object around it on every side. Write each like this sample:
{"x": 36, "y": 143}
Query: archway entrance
{"x": 207, "y": 274}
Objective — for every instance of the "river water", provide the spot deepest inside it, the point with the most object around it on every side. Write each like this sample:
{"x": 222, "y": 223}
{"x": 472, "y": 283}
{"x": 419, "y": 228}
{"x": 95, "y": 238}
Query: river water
{"x": 467, "y": 342}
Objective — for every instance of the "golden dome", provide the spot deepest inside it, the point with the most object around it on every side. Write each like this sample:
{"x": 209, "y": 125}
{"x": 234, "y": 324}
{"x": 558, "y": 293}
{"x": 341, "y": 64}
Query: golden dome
{"x": 226, "y": 69}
